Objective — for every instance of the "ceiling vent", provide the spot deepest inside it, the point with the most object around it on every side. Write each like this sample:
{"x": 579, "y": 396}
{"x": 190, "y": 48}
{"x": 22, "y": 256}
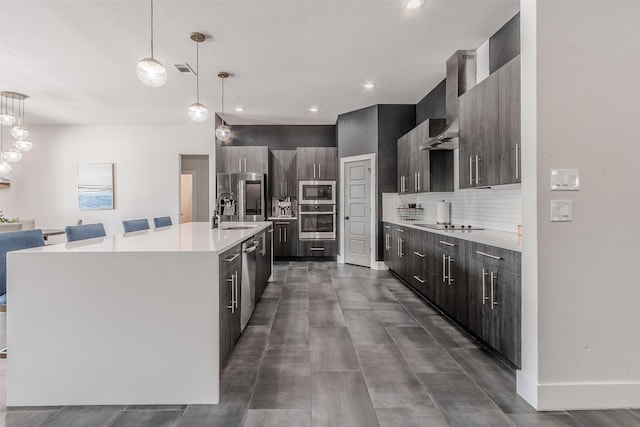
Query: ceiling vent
{"x": 185, "y": 68}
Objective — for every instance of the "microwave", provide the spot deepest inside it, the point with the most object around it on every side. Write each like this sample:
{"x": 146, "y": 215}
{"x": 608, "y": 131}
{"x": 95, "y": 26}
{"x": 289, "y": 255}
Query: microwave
{"x": 321, "y": 192}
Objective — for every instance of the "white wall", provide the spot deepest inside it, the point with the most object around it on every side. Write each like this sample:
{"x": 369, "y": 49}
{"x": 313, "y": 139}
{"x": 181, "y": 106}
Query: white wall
{"x": 199, "y": 167}
{"x": 587, "y": 68}
{"x": 147, "y": 169}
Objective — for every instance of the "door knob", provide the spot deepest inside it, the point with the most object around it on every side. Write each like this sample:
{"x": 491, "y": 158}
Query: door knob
{"x": 346, "y": 217}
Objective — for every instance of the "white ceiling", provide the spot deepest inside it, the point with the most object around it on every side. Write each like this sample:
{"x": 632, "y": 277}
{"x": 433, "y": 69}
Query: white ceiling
{"x": 76, "y": 59}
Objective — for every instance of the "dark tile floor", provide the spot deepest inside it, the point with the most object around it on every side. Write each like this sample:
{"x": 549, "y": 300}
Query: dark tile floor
{"x": 338, "y": 345}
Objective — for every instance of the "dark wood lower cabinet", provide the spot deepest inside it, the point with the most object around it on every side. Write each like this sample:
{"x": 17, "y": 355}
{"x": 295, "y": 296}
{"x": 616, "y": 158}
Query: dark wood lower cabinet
{"x": 285, "y": 238}
{"x": 230, "y": 291}
{"x": 476, "y": 285}
{"x": 317, "y": 248}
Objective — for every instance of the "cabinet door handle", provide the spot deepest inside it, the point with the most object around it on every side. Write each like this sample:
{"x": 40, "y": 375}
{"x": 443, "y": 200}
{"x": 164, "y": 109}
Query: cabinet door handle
{"x": 447, "y": 243}
{"x": 484, "y": 288}
{"x": 401, "y": 231}
{"x": 470, "y": 170}
{"x": 477, "y": 170}
{"x": 316, "y": 249}
{"x": 236, "y": 289}
{"x": 239, "y": 165}
{"x": 450, "y": 275}
{"x": 286, "y": 188}
{"x": 493, "y": 288}
{"x": 270, "y": 230}
{"x": 401, "y": 246}
{"x": 419, "y": 254}
{"x": 245, "y": 164}
{"x": 488, "y": 255}
{"x": 285, "y": 234}
{"x": 314, "y": 170}
{"x": 517, "y": 162}
{"x": 280, "y": 235}
{"x": 230, "y": 259}
{"x": 398, "y": 248}
{"x": 231, "y": 306}
{"x": 387, "y": 226}
{"x": 418, "y": 279}
{"x": 444, "y": 268}
{"x": 282, "y": 223}
{"x": 319, "y": 173}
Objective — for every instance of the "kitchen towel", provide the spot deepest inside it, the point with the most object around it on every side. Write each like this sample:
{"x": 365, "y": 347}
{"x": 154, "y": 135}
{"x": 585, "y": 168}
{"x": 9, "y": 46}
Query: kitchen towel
{"x": 444, "y": 212}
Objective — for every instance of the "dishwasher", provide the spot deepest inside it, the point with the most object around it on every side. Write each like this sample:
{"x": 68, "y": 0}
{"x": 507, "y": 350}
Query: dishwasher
{"x": 248, "y": 300}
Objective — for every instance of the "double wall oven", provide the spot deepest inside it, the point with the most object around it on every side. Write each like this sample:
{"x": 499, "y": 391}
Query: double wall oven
{"x": 317, "y": 210}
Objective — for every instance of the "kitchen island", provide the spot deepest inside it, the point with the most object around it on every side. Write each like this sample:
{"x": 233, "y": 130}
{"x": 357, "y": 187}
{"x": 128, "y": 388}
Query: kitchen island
{"x": 126, "y": 319}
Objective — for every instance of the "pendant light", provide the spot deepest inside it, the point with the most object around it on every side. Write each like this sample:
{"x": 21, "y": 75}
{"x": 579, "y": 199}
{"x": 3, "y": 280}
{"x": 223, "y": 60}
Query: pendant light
{"x": 19, "y": 132}
{"x": 5, "y": 168}
{"x": 6, "y": 118}
{"x": 150, "y": 71}
{"x": 223, "y": 132}
{"x": 198, "y": 112}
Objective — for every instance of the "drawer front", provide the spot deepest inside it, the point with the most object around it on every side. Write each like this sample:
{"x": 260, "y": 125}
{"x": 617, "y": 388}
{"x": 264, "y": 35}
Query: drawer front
{"x": 319, "y": 248}
{"x": 501, "y": 258}
{"x": 230, "y": 258}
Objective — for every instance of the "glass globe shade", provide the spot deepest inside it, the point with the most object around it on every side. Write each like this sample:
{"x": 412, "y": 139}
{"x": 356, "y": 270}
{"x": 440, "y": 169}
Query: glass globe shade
{"x": 198, "y": 112}
{"x": 23, "y": 145}
{"x": 5, "y": 168}
{"x": 19, "y": 133}
{"x": 151, "y": 72}
{"x": 223, "y": 132}
{"x": 12, "y": 155}
{"x": 7, "y": 119}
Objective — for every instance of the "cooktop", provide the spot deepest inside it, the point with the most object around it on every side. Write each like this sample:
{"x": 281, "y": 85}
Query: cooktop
{"x": 450, "y": 227}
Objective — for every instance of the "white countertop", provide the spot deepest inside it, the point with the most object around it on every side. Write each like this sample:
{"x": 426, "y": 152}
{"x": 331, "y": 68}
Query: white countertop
{"x": 500, "y": 239}
{"x": 189, "y": 237}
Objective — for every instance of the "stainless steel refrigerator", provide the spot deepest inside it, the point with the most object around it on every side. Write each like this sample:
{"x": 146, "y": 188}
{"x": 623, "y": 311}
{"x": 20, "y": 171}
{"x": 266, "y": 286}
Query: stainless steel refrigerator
{"x": 249, "y": 190}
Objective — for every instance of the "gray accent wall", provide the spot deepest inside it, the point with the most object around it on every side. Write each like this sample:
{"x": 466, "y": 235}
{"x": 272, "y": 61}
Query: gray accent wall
{"x": 504, "y": 45}
{"x": 376, "y": 129}
{"x": 432, "y": 106}
{"x": 283, "y": 137}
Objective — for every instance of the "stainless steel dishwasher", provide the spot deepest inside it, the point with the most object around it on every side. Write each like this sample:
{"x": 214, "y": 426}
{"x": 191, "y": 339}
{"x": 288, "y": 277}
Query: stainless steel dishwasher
{"x": 248, "y": 301}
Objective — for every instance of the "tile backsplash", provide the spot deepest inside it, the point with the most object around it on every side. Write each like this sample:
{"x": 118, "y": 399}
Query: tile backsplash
{"x": 498, "y": 208}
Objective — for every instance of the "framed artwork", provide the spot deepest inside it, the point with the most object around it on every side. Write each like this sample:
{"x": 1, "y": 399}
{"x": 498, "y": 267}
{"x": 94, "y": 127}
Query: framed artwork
{"x": 95, "y": 186}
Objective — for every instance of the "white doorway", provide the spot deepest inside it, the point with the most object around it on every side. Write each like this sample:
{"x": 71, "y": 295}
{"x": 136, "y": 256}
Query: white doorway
{"x": 186, "y": 197}
{"x": 194, "y": 188}
{"x": 357, "y": 210}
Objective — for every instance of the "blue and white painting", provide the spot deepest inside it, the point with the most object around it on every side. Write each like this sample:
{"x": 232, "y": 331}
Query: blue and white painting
{"x": 95, "y": 186}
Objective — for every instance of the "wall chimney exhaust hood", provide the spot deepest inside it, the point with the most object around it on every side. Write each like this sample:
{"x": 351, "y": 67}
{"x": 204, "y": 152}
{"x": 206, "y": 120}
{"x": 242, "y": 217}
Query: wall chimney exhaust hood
{"x": 461, "y": 76}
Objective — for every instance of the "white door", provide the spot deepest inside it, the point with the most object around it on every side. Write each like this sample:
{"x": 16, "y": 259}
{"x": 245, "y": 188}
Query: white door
{"x": 186, "y": 197}
{"x": 357, "y": 212}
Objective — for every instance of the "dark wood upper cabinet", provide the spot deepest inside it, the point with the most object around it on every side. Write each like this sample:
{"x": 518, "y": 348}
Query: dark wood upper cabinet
{"x": 421, "y": 171}
{"x": 490, "y": 143}
{"x": 283, "y": 173}
{"x": 509, "y": 139}
{"x": 468, "y": 137}
{"x": 486, "y": 165}
{"x": 317, "y": 163}
{"x": 243, "y": 159}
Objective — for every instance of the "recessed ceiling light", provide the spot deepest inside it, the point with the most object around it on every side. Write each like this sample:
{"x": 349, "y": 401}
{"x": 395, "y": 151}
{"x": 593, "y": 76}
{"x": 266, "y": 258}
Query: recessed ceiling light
{"x": 413, "y": 4}
{"x": 369, "y": 85}
{"x": 239, "y": 109}
{"x": 313, "y": 109}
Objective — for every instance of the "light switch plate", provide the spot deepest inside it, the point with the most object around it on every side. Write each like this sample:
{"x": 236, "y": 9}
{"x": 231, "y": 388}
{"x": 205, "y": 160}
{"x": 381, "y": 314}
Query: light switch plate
{"x": 561, "y": 210}
{"x": 564, "y": 180}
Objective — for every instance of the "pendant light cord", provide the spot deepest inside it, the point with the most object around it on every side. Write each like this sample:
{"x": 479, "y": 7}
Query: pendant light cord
{"x": 152, "y": 29}
{"x": 222, "y": 101}
{"x": 197, "y": 72}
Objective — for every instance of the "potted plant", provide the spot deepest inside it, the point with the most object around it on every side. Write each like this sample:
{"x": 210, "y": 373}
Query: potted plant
{"x": 9, "y": 224}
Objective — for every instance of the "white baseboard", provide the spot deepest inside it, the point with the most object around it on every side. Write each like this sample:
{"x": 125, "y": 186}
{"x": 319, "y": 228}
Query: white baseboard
{"x": 576, "y": 396}
{"x": 340, "y": 259}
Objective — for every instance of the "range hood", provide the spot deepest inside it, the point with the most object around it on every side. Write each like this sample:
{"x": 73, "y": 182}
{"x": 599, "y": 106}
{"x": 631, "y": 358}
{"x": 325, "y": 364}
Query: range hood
{"x": 461, "y": 76}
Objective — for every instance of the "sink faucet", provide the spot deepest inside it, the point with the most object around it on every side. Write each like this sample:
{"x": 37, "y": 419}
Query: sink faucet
{"x": 229, "y": 200}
